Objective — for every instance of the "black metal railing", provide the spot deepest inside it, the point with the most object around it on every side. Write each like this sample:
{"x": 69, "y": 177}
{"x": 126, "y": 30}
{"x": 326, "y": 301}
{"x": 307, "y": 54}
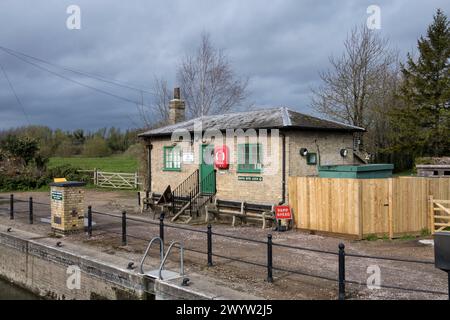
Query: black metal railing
{"x": 194, "y": 193}
{"x": 340, "y": 279}
{"x": 22, "y": 209}
{"x": 123, "y": 224}
{"x": 183, "y": 193}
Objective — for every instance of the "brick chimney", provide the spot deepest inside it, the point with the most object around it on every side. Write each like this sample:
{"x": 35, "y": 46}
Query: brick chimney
{"x": 176, "y": 108}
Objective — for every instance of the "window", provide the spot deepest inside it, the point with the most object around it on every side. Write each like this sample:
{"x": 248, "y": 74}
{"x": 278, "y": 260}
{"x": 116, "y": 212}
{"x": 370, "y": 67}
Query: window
{"x": 311, "y": 158}
{"x": 172, "y": 159}
{"x": 249, "y": 158}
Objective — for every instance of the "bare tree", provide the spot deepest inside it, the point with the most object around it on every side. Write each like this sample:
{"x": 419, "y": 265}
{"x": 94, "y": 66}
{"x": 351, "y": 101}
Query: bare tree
{"x": 157, "y": 113}
{"x": 357, "y": 87}
{"x": 208, "y": 82}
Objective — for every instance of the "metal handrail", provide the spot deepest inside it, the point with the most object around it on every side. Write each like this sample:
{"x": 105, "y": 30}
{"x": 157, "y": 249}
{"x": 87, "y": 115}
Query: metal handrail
{"x": 181, "y": 247}
{"x": 183, "y": 192}
{"x": 161, "y": 252}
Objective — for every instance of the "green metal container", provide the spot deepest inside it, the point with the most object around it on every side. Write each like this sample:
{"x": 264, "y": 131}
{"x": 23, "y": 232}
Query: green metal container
{"x": 365, "y": 171}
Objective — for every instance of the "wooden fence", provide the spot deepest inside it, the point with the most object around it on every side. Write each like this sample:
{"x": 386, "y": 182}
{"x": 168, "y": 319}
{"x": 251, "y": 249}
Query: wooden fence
{"x": 361, "y": 207}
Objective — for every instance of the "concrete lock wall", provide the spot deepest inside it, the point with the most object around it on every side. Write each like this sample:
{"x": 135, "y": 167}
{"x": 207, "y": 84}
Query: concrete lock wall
{"x": 44, "y": 271}
{"x": 34, "y": 263}
{"x": 267, "y": 191}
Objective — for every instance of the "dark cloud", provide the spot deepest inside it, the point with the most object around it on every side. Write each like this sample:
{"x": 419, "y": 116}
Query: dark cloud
{"x": 279, "y": 44}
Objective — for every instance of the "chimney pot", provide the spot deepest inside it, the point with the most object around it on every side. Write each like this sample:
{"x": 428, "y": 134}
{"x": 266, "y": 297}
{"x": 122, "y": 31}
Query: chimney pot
{"x": 176, "y": 93}
{"x": 176, "y": 108}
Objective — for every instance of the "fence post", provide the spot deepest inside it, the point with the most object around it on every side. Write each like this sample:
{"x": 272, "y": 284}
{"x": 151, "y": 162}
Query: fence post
{"x": 269, "y": 259}
{"x": 30, "y": 206}
{"x": 341, "y": 271}
{"x": 147, "y": 195}
{"x": 135, "y": 180}
{"x": 161, "y": 226}
{"x": 209, "y": 233}
{"x": 95, "y": 177}
{"x": 89, "y": 218}
{"x": 11, "y": 206}
{"x": 139, "y": 199}
{"x": 124, "y": 228}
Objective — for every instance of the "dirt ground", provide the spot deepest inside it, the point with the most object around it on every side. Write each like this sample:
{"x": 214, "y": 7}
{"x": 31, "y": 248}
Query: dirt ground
{"x": 252, "y": 278}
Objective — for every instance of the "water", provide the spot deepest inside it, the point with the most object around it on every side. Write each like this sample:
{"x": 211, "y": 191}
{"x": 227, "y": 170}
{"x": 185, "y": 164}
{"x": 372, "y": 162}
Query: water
{"x": 9, "y": 291}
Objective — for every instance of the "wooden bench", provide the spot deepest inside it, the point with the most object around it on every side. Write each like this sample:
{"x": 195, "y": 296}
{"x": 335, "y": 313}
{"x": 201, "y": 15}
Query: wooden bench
{"x": 240, "y": 210}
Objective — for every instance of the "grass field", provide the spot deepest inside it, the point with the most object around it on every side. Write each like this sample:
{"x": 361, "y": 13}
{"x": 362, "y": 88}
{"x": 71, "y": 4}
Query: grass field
{"x": 114, "y": 163}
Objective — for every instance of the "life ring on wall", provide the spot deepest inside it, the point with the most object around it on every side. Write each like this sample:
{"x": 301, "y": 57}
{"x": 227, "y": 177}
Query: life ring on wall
{"x": 221, "y": 157}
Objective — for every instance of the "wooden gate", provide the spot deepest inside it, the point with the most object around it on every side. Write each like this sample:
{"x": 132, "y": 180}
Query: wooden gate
{"x": 440, "y": 215}
{"x": 116, "y": 180}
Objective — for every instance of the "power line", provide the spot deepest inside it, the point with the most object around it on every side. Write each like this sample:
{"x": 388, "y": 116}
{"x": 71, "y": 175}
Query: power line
{"x": 15, "y": 94}
{"x": 72, "y": 80}
{"x": 86, "y": 74}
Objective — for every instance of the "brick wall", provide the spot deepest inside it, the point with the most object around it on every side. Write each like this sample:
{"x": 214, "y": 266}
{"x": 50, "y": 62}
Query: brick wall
{"x": 330, "y": 144}
{"x": 268, "y": 191}
{"x": 69, "y": 211}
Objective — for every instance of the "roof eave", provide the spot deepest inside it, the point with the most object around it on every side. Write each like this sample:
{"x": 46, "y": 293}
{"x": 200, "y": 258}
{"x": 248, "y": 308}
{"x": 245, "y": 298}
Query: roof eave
{"x": 300, "y": 128}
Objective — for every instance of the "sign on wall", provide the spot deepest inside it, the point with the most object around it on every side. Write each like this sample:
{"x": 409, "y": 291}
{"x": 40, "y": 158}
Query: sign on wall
{"x": 283, "y": 212}
{"x": 188, "y": 157}
{"x": 245, "y": 178}
{"x": 57, "y": 195}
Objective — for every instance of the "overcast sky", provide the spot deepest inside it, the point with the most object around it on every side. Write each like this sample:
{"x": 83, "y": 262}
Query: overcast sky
{"x": 281, "y": 45}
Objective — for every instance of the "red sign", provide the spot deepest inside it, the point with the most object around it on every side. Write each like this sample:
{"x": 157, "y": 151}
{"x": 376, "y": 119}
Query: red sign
{"x": 283, "y": 212}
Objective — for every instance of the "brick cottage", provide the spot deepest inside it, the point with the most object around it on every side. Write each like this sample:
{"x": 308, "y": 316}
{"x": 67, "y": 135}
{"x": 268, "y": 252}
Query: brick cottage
{"x": 250, "y": 154}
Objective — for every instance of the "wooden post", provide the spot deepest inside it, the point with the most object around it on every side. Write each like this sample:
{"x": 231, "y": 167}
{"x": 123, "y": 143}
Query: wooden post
{"x": 95, "y": 176}
{"x": 391, "y": 208}
{"x": 431, "y": 207}
{"x": 135, "y": 180}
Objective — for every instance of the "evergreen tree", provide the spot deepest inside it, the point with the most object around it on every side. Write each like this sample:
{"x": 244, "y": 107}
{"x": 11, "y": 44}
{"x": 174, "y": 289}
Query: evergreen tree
{"x": 423, "y": 122}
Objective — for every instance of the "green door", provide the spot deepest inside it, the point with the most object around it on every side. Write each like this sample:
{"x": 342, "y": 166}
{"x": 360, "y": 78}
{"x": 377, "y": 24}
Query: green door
{"x": 207, "y": 177}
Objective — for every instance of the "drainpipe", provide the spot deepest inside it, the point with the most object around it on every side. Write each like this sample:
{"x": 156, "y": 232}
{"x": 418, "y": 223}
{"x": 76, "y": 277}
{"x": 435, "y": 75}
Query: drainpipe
{"x": 149, "y": 167}
{"x": 283, "y": 169}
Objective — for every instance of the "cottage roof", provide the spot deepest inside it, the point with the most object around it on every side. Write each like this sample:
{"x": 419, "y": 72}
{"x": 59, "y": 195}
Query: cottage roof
{"x": 273, "y": 118}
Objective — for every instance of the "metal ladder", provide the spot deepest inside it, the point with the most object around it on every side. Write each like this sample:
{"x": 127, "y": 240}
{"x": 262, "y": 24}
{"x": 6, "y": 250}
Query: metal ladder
{"x": 160, "y": 273}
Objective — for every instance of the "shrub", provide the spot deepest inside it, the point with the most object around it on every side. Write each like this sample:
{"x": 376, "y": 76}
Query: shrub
{"x": 67, "y": 149}
{"x": 68, "y": 172}
{"x": 27, "y": 181}
{"x": 425, "y": 232}
{"x": 371, "y": 237}
{"x": 96, "y": 147}
{"x": 22, "y": 183}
